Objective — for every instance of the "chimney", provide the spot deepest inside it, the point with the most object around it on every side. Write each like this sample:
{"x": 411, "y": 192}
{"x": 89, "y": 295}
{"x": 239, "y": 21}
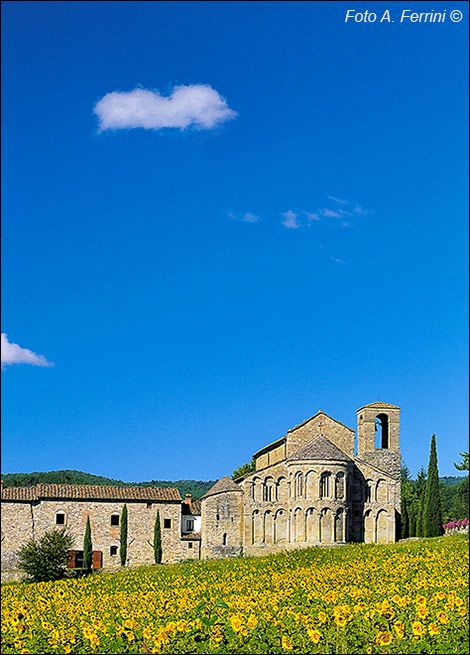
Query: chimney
{"x": 187, "y": 499}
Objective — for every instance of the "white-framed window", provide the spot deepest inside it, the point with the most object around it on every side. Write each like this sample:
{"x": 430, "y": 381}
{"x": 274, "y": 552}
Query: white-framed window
{"x": 189, "y": 524}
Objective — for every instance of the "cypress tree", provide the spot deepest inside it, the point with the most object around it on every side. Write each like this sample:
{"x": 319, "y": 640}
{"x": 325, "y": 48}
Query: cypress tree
{"x": 157, "y": 540}
{"x": 87, "y": 547}
{"x": 419, "y": 520}
{"x": 432, "y": 514}
{"x": 123, "y": 547}
{"x": 405, "y": 521}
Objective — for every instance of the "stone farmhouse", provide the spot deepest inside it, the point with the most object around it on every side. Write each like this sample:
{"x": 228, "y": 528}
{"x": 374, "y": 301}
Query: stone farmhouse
{"x": 29, "y": 512}
{"x": 320, "y": 484}
{"x": 310, "y": 488}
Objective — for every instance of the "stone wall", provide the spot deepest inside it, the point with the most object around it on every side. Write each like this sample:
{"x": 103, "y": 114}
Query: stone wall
{"x": 337, "y": 433}
{"x": 23, "y": 520}
{"x": 222, "y": 525}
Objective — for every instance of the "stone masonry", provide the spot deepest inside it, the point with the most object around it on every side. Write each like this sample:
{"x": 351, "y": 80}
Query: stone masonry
{"x": 27, "y": 513}
{"x": 309, "y": 488}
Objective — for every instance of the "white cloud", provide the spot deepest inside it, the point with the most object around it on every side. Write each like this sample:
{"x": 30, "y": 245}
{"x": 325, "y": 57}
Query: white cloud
{"x": 196, "y": 105}
{"x": 291, "y": 220}
{"x": 312, "y": 217}
{"x": 339, "y": 201}
{"x": 247, "y": 217}
{"x": 329, "y": 213}
{"x": 14, "y": 354}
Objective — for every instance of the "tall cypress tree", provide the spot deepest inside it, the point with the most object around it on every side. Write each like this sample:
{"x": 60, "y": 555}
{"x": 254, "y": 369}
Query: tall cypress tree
{"x": 432, "y": 515}
{"x": 405, "y": 521}
{"x": 123, "y": 540}
{"x": 87, "y": 547}
{"x": 157, "y": 540}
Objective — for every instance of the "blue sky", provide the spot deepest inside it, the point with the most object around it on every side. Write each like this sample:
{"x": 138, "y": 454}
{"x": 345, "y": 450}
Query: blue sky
{"x": 287, "y": 232}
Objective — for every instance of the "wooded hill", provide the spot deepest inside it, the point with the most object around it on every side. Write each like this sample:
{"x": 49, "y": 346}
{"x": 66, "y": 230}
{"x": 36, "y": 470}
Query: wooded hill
{"x": 196, "y": 488}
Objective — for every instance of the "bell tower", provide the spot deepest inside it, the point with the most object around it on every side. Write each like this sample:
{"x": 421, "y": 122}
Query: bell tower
{"x": 378, "y": 428}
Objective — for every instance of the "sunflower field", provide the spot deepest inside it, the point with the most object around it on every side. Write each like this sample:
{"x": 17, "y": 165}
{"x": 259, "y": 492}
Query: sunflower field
{"x": 410, "y": 597}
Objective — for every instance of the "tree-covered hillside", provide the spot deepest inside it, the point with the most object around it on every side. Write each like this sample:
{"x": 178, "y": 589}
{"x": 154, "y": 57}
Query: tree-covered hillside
{"x": 196, "y": 488}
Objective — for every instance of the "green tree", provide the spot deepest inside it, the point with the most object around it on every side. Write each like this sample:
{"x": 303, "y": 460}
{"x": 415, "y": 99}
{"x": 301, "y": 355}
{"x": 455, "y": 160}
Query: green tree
{"x": 461, "y": 504}
{"x": 157, "y": 540}
{"x": 464, "y": 464}
{"x": 406, "y": 498}
{"x": 244, "y": 469}
{"x": 87, "y": 547}
{"x": 432, "y": 513}
{"x": 123, "y": 540}
{"x": 46, "y": 559}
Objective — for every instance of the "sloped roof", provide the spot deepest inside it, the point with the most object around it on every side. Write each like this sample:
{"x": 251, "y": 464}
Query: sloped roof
{"x": 90, "y": 492}
{"x": 19, "y": 493}
{"x": 379, "y": 405}
{"x": 320, "y": 447}
{"x": 223, "y": 485}
{"x": 193, "y": 508}
{"x": 320, "y": 411}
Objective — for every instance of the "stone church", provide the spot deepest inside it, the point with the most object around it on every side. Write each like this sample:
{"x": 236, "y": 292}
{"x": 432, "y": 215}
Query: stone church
{"x": 313, "y": 486}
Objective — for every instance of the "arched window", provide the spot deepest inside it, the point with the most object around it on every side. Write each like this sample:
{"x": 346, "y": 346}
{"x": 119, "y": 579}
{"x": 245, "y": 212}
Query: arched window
{"x": 381, "y": 429}
{"x": 299, "y": 485}
{"x": 325, "y": 485}
{"x": 339, "y": 486}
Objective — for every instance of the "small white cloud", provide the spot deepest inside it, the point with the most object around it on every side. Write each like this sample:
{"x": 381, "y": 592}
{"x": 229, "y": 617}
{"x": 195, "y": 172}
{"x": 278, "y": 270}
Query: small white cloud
{"x": 196, "y": 105}
{"x": 339, "y": 201}
{"x": 291, "y": 220}
{"x": 247, "y": 217}
{"x": 329, "y": 213}
{"x": 333, "y": 259}
{"x": 360, "y": 210}
{"x": 14, "y": 354}
{"x": 312, "y": 217}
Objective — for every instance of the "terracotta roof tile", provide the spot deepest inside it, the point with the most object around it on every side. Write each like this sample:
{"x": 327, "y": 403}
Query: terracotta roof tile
{"x": 192, "y": 509}
{"x": 195, "y": 508}
{"x": 19, "y": 493}
{"x": 90, "y": 492}
{"x": 379, "y": 405}
{"x": 192, "y": 536}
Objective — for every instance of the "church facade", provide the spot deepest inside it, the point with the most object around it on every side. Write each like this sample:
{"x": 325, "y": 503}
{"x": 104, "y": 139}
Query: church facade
{"x": 320, "y": 484}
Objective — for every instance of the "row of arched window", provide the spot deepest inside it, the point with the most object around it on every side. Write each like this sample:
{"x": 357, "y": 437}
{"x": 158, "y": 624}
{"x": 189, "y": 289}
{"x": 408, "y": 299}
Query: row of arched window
{"x": 308, "y": 486}
{"x": 312, "y": 526}
{"x": 299, "y": 526}
{"x": 371, "y": 491}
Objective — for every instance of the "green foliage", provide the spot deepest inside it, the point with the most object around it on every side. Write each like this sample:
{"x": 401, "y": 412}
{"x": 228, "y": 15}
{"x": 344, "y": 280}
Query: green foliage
{"x": 461, "y": 505}
{"x": 46, "y": 559}
{"x": 244, "y": 469}
{"x": 87, "y": 547}
{"x": 157, "y": 540}
{"x": 123, "y": 537}
{"x": 463, "y": 466}
{"x": 56, "y": 477}
{"x": 432, "y": 513}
